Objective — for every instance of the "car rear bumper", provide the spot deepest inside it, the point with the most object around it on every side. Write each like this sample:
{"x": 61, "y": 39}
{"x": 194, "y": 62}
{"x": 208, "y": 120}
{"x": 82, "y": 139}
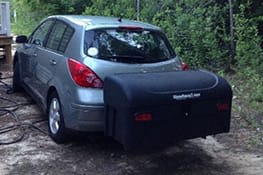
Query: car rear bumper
{"x": 86, "y": 117}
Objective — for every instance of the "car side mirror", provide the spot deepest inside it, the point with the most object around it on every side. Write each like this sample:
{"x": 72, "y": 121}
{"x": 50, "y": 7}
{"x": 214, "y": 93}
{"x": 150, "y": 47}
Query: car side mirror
{"x": 37, "y": 42}
{"x": 21, "y": 39}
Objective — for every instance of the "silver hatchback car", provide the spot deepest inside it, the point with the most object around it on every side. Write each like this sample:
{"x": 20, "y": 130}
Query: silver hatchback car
{"x": 63, "y": 63}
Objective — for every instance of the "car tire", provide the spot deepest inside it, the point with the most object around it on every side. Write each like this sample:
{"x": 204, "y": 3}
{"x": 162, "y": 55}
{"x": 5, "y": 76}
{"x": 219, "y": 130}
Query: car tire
{"x": 16, "y": 78}
{"x": 56, "y": 125}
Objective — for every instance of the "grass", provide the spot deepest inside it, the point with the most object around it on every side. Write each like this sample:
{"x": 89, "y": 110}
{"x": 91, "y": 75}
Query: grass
{"x": 248, "y": 103}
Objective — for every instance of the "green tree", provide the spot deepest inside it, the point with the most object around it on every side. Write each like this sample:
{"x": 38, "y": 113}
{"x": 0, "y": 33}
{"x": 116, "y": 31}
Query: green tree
{"x": 31, "y": 12}
{"x": 197, "y": 31}
{"x": 119, "y": 8}
{"x": 249, "y": 54}
{"x": 26, "y": 18}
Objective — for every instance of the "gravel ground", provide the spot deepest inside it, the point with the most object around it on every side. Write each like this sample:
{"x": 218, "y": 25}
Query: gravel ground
{"x": 231, "y": 153}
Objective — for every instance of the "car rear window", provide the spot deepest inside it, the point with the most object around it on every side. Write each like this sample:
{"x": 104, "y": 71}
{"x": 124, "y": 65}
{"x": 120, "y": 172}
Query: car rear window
{"x": 127, "y": 45}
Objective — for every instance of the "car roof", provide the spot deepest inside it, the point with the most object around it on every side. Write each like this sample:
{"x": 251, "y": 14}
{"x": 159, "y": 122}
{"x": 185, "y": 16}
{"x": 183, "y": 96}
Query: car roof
{"x": 90, "y": 22}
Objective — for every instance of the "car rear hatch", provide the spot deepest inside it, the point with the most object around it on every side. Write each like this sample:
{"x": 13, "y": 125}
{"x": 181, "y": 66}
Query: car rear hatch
{"x": 128, "y": 49}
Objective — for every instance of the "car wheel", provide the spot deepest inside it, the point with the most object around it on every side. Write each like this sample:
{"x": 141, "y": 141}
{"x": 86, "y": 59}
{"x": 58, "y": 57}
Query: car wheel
{"x": 56, "y": 124}
{"x": 16, "y": 78}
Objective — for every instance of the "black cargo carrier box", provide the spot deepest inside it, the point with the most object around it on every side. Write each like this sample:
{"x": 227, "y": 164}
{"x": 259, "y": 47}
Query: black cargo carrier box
{"x": 154, "y": 109}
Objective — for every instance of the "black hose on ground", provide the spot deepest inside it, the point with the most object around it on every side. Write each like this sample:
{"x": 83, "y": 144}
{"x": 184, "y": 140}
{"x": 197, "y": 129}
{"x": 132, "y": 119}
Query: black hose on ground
{"x": 15, "y": 125}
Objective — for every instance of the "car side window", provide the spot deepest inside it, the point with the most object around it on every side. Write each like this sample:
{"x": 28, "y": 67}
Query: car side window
{"x": 39, "y": 35}
{"x": 59, "y": 37}
{"x": 65, "y": 39}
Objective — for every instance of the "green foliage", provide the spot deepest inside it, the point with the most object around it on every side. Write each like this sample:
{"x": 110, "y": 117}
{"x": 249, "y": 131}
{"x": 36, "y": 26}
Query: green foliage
{"x": 26, "y": 18}
{"x": 120, "y": 8}
{"x": 248, "y": 86}
{"x": 198, "y": 30}
{"x": 31, "y": 12}
{"x": 256, "y": 80}
{"x": 197, "y": 33}
{"x": 249, "y": 54}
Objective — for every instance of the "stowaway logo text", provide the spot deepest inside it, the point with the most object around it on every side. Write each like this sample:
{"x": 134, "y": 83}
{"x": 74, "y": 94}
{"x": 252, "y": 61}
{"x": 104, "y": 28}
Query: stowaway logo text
{"x": 186, "y": 96}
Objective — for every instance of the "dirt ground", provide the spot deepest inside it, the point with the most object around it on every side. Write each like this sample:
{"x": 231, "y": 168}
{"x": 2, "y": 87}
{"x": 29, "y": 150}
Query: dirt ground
{"x": 233, "y": 153}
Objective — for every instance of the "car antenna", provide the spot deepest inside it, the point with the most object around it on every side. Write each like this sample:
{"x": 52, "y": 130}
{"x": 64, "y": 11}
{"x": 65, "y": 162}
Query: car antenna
{"x": 120, "y": 18}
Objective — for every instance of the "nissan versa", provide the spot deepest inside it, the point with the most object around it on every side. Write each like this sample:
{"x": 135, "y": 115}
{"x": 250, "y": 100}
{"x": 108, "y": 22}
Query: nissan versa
{"x": 64, "y": 62}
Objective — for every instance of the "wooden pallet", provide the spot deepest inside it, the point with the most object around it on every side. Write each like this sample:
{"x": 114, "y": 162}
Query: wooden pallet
{"x": 6, "y": 49}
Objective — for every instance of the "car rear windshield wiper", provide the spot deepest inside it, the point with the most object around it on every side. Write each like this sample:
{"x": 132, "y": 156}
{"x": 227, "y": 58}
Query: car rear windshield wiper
{"x": 133, "y": 59}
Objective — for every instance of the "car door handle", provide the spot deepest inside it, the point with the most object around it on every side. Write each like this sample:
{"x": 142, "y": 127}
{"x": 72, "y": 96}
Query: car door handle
{"x": 35, "y": 54}
{"x": 53, "y": 62}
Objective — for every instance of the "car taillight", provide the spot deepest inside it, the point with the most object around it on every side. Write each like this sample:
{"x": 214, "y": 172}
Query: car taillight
{"x": 143, "y": 117}
{"x": 83, "y": 75}
{"x": 223, "y": 106}
{"x": 184, "y": 66}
